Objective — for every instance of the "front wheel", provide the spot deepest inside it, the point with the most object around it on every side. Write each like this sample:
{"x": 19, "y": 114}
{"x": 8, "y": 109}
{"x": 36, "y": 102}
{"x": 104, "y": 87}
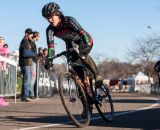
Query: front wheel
{"x": 104, "y": 103}
{"x": 74, "y": 99}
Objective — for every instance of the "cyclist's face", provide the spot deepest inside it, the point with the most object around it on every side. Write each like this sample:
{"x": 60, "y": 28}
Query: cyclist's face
{"x": 54, "y": 20}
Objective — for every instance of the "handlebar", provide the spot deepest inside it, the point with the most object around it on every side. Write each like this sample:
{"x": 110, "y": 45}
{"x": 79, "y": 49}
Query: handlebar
{"x": 65, "y": 53}
{"x": 57, "y": 55}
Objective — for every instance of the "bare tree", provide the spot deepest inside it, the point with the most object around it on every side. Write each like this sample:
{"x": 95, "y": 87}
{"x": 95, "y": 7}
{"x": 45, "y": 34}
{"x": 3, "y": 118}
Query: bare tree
{"x": 145, "y": 51}
{"x": 115, "y": 69}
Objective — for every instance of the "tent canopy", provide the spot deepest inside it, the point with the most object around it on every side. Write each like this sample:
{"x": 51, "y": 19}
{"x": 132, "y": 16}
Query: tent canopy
{"x": 140, "y": 77}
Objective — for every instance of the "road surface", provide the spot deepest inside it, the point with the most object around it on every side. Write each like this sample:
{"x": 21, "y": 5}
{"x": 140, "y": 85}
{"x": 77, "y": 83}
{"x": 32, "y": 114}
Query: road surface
{"x": 132, "y": 111}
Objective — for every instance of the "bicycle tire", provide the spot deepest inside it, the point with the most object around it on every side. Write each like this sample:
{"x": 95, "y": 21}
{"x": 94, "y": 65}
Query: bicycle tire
{"x": 76, "y": 119}
{"x": 107, "y": 115}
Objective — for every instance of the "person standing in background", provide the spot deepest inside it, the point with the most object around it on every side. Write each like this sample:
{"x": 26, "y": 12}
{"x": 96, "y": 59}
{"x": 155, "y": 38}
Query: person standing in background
{"x": 45, "y": 52}
{"x": 6, "y": 48}
{"x": 2, "y": 67}
{"x": 26, "y": 56}
{"x": 3, "y": 49}
{"x": 40, "y": 57}
{"x": 36, "y": 36}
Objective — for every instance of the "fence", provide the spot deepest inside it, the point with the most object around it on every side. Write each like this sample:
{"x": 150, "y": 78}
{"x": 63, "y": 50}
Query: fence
{"x": 46, "y": 85}
{"x": 8, "y": 77}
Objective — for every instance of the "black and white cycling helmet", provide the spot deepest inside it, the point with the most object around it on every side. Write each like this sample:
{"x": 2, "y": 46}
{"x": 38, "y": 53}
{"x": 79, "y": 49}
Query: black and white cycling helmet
{"x": 50, "y": 9}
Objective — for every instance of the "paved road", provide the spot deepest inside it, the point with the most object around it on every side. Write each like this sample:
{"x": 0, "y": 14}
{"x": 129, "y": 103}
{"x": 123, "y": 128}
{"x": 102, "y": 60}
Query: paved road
{"x": 132, "y": 111}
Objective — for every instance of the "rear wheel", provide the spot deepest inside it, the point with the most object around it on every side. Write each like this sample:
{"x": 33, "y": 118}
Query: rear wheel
{"x": 74, "y": 100}
{"x": 104, "y": 104}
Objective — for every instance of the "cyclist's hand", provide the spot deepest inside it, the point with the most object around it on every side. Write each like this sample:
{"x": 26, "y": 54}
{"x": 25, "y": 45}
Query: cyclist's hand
{"x": 48, "y": 63}
{"x": 71, "y": 50}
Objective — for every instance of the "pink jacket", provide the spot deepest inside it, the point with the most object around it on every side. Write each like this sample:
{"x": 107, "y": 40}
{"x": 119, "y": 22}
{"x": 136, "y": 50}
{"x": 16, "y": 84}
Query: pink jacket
{"x": 3, "y": 52}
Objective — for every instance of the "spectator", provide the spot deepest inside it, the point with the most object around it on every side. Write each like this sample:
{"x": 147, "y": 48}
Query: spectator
{"x": 40, "y": 51}
{"x": 41, "y": 56}
{"x": 47, "y": 65}
{"x": 45, "y": 52}
{"x": 3, "y": 51}
{"x": 2, "y": 68}
{"x": 6, "y": 49}
{"x": 35, "y": 38}
{"x": 26, "y": 56}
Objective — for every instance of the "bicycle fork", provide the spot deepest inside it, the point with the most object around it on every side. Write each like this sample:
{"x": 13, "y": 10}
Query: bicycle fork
{"x": 85, "y": 85}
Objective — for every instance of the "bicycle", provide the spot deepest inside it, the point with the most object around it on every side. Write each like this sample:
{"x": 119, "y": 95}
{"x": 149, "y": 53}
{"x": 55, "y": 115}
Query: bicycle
{"x": 77, "y": 92}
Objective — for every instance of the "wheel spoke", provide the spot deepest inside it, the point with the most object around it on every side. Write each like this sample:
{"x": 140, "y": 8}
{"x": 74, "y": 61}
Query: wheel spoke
{"x": 104, "y": 105}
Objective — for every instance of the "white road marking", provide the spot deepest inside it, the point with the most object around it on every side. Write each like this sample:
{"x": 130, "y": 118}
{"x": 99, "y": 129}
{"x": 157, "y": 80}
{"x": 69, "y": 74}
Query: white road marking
{"x": 99, "y": 117}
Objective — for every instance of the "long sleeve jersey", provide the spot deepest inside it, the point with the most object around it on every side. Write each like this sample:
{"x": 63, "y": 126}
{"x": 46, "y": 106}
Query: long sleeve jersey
{"x": 69, "y": 30}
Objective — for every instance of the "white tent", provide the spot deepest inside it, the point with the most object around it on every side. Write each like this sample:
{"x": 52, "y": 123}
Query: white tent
{"x": 141, "y": 78}
{"x": 140, "y": 82}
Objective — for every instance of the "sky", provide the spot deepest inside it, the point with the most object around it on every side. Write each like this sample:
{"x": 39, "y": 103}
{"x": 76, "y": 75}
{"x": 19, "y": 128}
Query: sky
{"x": 113, "y": 24}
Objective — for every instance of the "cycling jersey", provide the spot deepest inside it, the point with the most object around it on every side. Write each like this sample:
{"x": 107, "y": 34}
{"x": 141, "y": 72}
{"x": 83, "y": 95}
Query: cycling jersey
{"x": 69, "y": 31}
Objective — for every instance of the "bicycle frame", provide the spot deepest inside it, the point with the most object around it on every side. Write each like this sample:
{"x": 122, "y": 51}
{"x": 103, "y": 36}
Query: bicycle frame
{"x": 88, "y": 75}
